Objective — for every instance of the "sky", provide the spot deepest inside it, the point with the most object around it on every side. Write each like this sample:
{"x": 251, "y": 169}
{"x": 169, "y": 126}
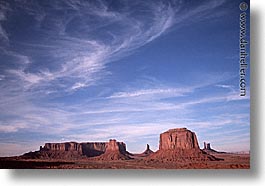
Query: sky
{"x": 83, "y": 71}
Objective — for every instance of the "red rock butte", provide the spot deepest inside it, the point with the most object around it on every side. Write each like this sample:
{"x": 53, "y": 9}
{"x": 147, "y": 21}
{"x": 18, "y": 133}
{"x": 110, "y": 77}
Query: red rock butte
{"x": 179, "y": 138}
{"x": 114, "y": 151}
{"x": 179, "y": 144}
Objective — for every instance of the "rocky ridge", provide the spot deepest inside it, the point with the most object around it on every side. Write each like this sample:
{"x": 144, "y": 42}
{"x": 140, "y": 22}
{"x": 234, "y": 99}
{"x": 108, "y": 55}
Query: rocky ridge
{"x": 178, "y": 144}
{"x": 74, "y": 150}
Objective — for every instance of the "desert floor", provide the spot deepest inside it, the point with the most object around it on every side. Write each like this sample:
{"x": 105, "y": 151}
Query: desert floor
{"x": 230, "y": 161}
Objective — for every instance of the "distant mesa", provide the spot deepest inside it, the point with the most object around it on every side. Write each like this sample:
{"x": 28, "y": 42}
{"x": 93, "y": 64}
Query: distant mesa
{"x": 207, "y": 148}
{"x": 111, "y": 150}
{"x": 178, "y": 144}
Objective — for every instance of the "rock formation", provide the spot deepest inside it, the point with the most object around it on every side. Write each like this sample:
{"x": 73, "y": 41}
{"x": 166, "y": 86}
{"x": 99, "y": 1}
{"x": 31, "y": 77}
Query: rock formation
{"x": 114, "y": 151}
{"x": 73, "y": 150}
{"x": 146, "y": 153}
{"x": 91, "y": 149}
{"x": 69, "y": 146}
{"x": 179, "y": 144}
{"x": 179, "y": 138}
{"x": 207, "y": 148}
{"x": 148, "y": 150}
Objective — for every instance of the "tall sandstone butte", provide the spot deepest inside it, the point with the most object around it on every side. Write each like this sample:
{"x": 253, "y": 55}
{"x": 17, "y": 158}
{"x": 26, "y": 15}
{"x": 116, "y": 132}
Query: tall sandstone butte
{"x": 179, "y": 138}
{"x": 114, "y": 151}
{"x": 179, "y": 144}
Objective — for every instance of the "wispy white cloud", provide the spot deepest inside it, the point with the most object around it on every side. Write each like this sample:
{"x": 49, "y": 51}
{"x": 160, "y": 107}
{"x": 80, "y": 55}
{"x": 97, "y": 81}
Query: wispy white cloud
{"x": 2, "y": 77}
{"x": 78, "y": 85}
{"x": 225, "y": 86}
{"x": 3, "y": 34}
{"x": 85, "y": 59}
{"x": 215, "y": 99}
{"x": 12, "y": 127}
{"x": 171, "y": 92}
{"x": 29, "y": 78}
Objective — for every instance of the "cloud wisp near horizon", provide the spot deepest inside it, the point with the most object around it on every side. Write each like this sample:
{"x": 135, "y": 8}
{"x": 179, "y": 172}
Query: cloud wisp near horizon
{"x": 90, "y": 71}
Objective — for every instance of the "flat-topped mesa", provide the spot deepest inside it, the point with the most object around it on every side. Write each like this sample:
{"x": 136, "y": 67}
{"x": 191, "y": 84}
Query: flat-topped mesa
{"x": 68, "y": 146}
{"x": 111, "y": 150}
{"x": 179, "y": 144}
{"x": 112, "y": 145}
{"x": 179, "y": 138}
{"x": 74, "y": 150}
{"x": 88, "y": 148}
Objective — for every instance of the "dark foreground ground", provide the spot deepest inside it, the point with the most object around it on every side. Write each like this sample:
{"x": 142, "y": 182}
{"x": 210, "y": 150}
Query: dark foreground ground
{"x": 231, "y": 161}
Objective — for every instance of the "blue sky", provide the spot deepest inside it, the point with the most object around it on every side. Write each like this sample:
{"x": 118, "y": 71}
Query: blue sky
{"x": 93, "y": 70}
